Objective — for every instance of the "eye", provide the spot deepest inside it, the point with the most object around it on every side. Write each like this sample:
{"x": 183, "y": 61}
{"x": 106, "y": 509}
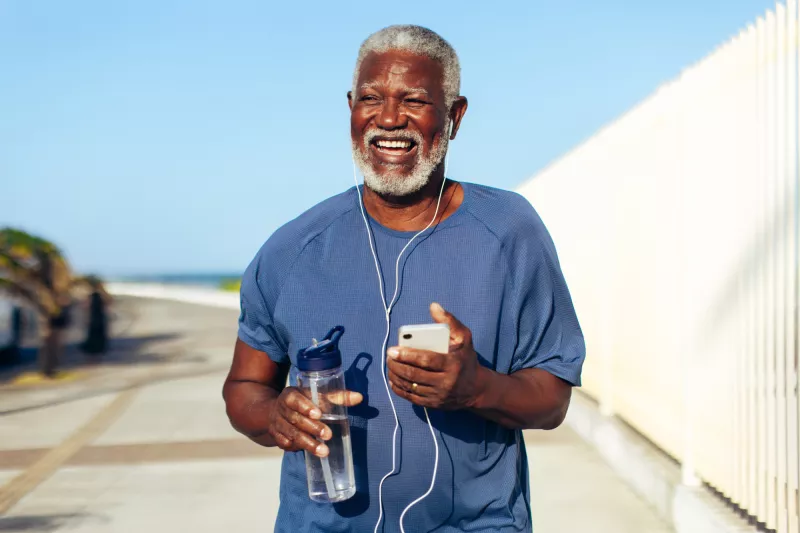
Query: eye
{"x": 369, "y": 99}
{"x": 415, "y": 103}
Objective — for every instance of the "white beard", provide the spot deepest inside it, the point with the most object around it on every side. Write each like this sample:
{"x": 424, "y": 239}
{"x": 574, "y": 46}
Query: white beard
{"x": 420, "y": 174}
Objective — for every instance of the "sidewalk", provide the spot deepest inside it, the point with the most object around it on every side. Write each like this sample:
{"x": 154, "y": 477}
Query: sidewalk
{"x": 141, "y": 443}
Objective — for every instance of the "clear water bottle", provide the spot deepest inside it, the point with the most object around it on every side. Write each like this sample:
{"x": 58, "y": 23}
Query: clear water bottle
{"x": 320, "y": 376}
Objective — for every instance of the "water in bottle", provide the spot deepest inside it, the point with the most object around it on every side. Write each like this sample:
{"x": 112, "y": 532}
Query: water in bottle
{"x": 320, "y": 376}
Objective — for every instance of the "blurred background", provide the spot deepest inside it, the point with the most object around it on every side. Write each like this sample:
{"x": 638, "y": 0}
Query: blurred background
{"x": 147, "y": 150}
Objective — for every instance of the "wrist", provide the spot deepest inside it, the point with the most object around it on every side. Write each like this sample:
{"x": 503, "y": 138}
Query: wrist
{"x": 484, "y": 378}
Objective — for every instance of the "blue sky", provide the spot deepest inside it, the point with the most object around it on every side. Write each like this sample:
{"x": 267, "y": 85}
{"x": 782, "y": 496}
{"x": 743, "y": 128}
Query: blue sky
{"x": 174, "y": 136}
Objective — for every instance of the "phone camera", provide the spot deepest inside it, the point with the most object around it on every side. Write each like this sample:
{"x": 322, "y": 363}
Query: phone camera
{"x": 407, "y": 336}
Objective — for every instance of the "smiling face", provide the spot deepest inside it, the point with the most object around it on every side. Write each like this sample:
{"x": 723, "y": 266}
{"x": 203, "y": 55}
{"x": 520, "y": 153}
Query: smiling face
{"x": 398, "y": 121}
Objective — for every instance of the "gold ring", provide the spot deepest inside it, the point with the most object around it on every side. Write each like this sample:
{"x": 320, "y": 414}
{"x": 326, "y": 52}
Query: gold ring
{"x": 414, "y": 387}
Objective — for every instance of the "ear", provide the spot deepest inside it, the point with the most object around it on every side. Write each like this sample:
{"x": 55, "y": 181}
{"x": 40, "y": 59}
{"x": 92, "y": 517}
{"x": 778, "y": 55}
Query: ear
{"x": 350, "y": 100}
{"x": 457, "y": 112}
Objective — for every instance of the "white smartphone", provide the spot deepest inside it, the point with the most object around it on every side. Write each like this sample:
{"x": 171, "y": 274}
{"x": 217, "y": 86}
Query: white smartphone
{"x": 431, "y": 337}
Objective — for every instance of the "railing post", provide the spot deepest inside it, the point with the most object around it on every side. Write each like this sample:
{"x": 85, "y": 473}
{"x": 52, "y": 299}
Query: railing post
{"x": 607, "y": 345}
{"x": 688, "y": 472}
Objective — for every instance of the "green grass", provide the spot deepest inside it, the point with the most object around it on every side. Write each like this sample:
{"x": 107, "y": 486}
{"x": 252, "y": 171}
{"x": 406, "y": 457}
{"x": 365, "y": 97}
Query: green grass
{"x": 230, "y": 285}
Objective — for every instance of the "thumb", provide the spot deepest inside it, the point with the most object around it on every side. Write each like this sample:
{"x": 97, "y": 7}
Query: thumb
{"x": 346, "y": 398}
{"x": 458, "y": 331}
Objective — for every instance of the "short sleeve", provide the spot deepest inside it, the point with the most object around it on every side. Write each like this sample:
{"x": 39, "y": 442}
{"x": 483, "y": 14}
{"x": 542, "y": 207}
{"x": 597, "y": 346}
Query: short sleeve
{"x": 258, "y": 297}
{"x": 548, "y": 333}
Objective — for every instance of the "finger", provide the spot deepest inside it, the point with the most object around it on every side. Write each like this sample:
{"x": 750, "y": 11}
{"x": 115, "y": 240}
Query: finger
{"x": 296, "y": 401}
{"x": 458, "y": 331}
{"x": 303, "y": 441}
{"x": 283, "y": 442}
{"x": 345, "y": 397}
{"x": 411, "y": 397}
{"x": 408, "y": 386}
{"x": 432, "y": 361}
{"x": 305, "y": 424}
{"x": 271, "y": 439}
{"x": 414, "y": 374}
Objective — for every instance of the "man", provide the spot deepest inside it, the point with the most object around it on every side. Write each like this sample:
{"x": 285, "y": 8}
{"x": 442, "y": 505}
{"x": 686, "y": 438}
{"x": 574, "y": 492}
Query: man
{"x": 486, "y": 267}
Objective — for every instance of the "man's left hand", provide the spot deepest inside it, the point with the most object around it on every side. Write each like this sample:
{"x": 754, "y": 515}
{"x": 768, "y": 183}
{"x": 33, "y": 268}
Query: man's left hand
{"x": 443, "y": 381}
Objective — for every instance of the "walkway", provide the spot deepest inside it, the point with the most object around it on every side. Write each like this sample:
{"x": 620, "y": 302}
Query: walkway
{"x": 140, "y": 443}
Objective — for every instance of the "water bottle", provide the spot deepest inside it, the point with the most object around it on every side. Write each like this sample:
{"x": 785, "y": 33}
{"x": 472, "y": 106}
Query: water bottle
{"x": 320, "y": 377}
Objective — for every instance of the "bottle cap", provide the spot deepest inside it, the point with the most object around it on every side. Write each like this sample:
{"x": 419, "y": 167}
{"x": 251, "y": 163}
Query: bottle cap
{"x": 324, "y": 355}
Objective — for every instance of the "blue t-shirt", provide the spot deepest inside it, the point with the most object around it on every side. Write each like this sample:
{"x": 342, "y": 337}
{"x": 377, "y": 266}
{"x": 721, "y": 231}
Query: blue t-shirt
{"x": 493, "y": 265}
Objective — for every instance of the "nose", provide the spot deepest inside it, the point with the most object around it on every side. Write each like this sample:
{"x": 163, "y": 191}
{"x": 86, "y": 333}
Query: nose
{"x": 390, "y": 117}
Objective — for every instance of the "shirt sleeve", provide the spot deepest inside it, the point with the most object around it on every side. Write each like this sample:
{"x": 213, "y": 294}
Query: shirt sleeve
{"x": 258, "y": 298}
{"x": 548, "y": 333}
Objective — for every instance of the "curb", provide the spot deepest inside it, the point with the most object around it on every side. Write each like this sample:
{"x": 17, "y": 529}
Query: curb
{"x": 653, "y": 475}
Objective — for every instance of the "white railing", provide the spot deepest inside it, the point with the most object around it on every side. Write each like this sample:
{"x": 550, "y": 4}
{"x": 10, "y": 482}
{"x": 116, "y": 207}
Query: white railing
{"x": 677, "y": 230}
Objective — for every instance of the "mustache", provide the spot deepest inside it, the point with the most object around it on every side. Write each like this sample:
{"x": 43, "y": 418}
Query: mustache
{"x": 413, "y": 136}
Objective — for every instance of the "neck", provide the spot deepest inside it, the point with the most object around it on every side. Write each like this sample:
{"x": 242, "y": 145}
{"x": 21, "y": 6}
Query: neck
{"x": 415, "y": 211}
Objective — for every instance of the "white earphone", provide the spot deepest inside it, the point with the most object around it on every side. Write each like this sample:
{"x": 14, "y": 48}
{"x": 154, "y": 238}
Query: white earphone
{"x": 388, "y": 311}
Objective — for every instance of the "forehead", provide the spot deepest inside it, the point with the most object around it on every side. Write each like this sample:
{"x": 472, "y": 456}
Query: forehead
{"x": 396, "y": 69}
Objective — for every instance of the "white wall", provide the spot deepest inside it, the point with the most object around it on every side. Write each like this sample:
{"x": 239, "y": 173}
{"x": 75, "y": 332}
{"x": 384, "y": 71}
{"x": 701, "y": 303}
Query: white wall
{"x": 677, "y": 229}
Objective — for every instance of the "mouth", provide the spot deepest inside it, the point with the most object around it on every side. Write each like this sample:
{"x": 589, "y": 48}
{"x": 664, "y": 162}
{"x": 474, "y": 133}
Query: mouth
{"x": 393, "y": 151}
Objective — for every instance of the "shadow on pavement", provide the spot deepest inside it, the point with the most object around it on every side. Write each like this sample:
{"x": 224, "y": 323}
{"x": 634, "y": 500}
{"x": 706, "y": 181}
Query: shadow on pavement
{"x": 43, "y": 523}
{"x": 133, "y": 343}
{"x": 122, "y": 351}
{"x": 99, "y": 391}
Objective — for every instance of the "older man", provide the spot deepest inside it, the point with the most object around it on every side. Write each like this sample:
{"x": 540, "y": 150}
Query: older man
{"x": 516, "y": 348}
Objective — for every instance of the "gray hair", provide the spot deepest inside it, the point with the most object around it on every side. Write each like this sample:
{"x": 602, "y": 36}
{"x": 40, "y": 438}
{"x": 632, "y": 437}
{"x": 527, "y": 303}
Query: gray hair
{"x": 420, "y": 41}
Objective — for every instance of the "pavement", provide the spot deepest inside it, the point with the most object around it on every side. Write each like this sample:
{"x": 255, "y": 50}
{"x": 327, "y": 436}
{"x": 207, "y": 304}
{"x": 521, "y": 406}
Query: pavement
{"x": 139, "y": 442}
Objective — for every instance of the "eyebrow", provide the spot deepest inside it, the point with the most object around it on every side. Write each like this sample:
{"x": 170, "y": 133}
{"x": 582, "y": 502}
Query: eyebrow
{"x": 407, "y": 90}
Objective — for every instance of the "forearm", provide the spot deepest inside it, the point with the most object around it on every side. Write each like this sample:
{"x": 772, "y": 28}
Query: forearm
{"x": 249, "y": 405}
{"x": 527, "y": 399}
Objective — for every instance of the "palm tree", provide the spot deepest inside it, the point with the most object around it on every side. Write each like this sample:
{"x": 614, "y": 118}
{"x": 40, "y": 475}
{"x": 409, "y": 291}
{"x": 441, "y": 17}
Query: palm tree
{"x": 34, "y": 270}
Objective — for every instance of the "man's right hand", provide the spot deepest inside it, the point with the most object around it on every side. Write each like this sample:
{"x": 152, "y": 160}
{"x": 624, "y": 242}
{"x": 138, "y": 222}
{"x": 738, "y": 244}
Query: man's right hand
{"x": 260, "y": 406}
{"x": 294, "y": 421}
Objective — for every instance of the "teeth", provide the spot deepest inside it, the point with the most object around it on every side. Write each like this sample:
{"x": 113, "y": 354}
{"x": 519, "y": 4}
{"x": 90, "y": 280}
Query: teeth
{"x": 393, "y": 144}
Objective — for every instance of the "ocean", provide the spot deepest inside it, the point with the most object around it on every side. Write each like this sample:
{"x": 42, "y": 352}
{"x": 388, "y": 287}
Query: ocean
{"x": 197, "y": 279}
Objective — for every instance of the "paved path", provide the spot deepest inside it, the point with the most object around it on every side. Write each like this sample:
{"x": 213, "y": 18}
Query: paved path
{"x": 140, "y": 443}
